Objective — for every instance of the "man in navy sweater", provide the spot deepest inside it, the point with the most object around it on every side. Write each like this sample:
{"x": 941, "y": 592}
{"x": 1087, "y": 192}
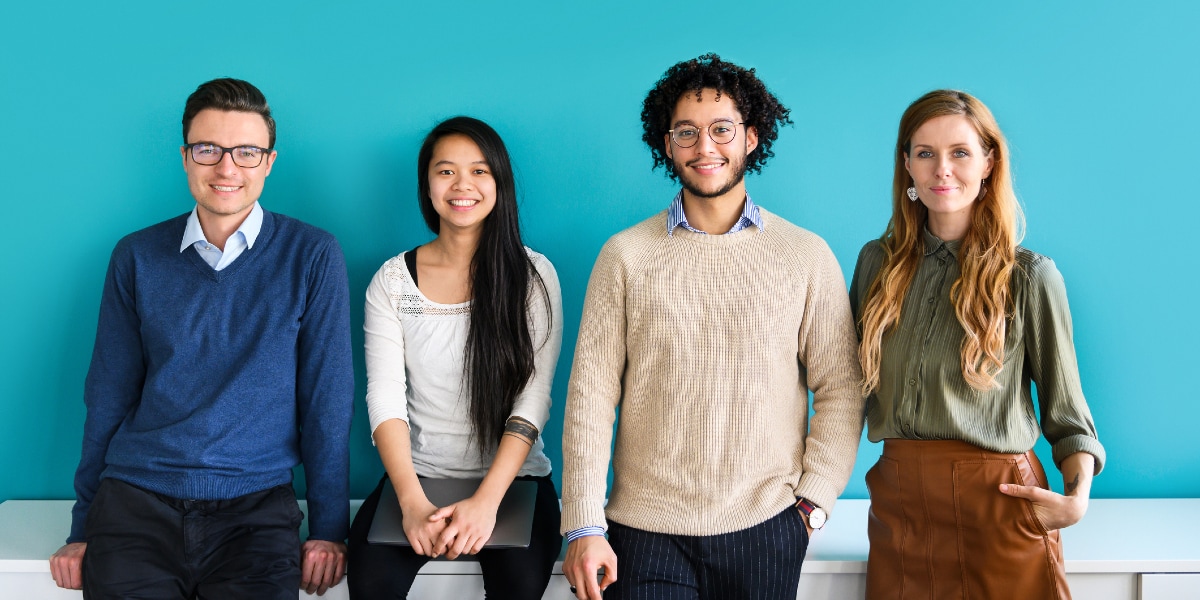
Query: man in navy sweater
{"x": 222, "y": 360}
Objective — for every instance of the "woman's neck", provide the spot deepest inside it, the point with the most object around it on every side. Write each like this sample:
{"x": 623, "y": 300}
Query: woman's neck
{"x": 453, "y": 248}
{"x": 444, "y": 267}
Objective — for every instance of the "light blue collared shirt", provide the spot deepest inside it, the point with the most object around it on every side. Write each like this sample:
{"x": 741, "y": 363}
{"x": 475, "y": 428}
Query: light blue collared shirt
{"x": 237, "y": 243}
{"x": 676, "y": 218}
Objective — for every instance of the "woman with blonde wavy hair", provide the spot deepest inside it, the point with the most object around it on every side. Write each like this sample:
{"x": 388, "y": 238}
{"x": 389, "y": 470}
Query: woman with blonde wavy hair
{"x": 955, "y": 321}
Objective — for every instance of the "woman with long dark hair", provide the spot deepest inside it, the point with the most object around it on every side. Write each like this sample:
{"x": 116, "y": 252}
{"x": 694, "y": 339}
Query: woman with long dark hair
{"x": 956, "y": 320}
{"x": 462, "y": 337}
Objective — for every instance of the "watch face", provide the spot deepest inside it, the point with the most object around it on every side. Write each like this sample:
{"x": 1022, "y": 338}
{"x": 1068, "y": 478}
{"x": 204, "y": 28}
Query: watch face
{"x": 817, "y": 518}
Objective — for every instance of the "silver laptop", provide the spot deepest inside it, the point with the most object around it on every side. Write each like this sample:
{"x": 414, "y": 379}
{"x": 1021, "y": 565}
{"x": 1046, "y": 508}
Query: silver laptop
{"x": 514, "y": 518}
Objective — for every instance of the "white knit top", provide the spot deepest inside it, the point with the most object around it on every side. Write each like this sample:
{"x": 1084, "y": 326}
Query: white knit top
{"x": 414, "y": 355}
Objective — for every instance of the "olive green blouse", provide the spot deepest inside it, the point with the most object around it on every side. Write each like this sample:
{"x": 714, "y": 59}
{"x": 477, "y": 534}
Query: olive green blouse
{"x": 922, "y": 394}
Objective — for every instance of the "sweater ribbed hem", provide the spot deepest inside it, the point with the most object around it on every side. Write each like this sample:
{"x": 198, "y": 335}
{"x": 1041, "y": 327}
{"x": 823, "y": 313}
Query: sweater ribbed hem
{"x": 199, "y": 485}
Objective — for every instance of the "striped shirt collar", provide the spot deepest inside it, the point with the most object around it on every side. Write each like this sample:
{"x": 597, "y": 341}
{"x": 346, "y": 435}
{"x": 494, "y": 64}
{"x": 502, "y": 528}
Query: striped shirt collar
{"x": 933, "y": 243}
{"x": 676, "y": 218}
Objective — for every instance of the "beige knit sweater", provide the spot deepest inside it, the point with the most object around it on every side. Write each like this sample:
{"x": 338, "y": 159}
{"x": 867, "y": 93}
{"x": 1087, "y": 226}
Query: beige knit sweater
{"x": 709, "y": 344}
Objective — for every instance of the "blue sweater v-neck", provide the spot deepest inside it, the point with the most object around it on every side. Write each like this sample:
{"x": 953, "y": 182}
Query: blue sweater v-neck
{"x": 210, "y": 385}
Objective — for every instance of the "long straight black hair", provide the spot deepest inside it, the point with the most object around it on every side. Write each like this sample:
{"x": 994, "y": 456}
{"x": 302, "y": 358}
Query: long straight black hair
{"x": 499, "y": 357}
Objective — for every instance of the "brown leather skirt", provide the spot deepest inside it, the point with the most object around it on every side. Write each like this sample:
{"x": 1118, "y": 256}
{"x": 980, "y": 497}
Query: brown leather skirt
{"x": 940, "y": 528}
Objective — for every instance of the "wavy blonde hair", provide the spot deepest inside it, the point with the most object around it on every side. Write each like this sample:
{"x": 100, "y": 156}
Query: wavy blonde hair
{"x": 987, "y": 254}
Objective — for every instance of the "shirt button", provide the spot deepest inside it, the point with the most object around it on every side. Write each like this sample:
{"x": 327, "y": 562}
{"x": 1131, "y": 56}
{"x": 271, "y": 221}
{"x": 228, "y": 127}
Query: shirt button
{"x": 931, "y": 300}
{"x": 912, "y": 382}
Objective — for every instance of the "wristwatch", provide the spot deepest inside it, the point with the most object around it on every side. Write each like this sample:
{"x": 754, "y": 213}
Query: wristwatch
{"x": 816, "y": 515}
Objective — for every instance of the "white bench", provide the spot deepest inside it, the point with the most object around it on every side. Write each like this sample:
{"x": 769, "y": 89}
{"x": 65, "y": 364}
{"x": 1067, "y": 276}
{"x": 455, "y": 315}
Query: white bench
{"x": 1146, "y": 549}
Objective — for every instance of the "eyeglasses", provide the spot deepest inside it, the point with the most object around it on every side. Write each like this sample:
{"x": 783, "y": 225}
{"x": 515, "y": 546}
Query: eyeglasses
{"x": 721, "y": 132}
{"x": 246, "y": 157}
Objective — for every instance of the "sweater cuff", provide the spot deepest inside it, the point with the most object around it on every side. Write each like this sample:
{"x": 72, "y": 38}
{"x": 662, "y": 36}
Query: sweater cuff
{"x": 580, "y": 515}
{"x": 328, "y": 527}
{"x": 818, "y": 490}
{"x": 78, "y": 519}
{"x": 1079, "y": 443}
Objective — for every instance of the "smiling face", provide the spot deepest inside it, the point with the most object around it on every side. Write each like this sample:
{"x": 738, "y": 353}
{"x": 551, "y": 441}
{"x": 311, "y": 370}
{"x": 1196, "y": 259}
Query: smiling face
{"x": 708, "y": 169}
{"x": 461, "y": 186}
{"x": 226, "y": 192}
{"x": 948, "y": 164}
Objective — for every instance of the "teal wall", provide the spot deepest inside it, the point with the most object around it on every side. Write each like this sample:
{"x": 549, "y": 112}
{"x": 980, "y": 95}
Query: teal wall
{"x": 1097, "y": 100}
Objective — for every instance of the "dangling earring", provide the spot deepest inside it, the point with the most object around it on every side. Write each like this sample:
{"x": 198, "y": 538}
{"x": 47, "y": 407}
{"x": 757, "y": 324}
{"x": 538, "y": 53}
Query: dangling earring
{"x": 982, "y": 188}
{"x": 912, "y": 194}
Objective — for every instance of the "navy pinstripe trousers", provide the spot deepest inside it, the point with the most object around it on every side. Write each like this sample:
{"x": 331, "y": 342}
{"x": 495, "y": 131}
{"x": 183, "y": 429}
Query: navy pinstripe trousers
{"x": 759, "y": 563}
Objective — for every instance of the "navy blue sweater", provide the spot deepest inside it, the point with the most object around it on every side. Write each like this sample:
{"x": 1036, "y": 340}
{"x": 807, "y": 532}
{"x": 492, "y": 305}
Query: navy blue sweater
{"x": 210, "y": 385}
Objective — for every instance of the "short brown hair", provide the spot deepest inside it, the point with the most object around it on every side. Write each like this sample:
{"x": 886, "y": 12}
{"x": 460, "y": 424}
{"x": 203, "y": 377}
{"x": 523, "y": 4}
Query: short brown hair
{"x": 229, "y": 95}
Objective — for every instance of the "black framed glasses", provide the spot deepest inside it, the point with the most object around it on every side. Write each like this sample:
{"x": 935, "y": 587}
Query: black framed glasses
{"x": 720, "y": 132}
{"x": 246, "y": 157}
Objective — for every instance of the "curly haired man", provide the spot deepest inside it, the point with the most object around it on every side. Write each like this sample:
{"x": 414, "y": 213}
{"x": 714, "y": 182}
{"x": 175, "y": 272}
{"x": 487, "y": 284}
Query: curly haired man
{"x": 708, "y": 325}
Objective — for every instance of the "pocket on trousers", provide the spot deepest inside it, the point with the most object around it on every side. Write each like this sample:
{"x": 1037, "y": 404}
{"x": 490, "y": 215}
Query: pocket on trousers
{"x": 96, "y": 509}
{"x": 798, "y": 526}
{"x": 288, "y": 505}
{"x": 103, "y": 491}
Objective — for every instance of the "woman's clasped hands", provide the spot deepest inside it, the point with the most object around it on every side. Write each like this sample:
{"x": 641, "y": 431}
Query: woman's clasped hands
{"x": 421, "y": 529}
{"x": 453, "y": 530}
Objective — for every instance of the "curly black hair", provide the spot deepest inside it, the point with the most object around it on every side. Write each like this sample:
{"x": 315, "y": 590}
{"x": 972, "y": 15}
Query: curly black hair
{"x": 760, "y": 108}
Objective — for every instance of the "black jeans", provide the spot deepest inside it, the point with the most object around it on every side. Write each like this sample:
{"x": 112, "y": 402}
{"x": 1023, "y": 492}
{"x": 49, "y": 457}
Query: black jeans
{"x": 145, "y": 545}
{"x": 377, "y": 571}
{"x": 758, "y": 563}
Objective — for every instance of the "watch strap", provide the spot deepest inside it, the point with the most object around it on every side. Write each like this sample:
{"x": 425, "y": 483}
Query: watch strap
{"x": 805, "y": 506}
{"x": 817, "y": 520}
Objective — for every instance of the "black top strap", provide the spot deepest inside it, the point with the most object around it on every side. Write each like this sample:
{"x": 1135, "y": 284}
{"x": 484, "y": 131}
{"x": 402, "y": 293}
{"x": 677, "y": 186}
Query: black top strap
{"x": 410, "y": 261}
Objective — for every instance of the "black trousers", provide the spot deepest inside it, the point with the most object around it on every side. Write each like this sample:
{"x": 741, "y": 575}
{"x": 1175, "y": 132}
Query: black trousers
{"x": 759, "y": 563}
{"x": 378, "y": 571}
{"x": 145, "y": 545}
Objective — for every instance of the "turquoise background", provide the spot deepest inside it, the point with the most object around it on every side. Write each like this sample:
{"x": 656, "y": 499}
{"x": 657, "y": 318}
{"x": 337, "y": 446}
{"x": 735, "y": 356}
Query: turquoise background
{"x": 1096, "y": 98}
